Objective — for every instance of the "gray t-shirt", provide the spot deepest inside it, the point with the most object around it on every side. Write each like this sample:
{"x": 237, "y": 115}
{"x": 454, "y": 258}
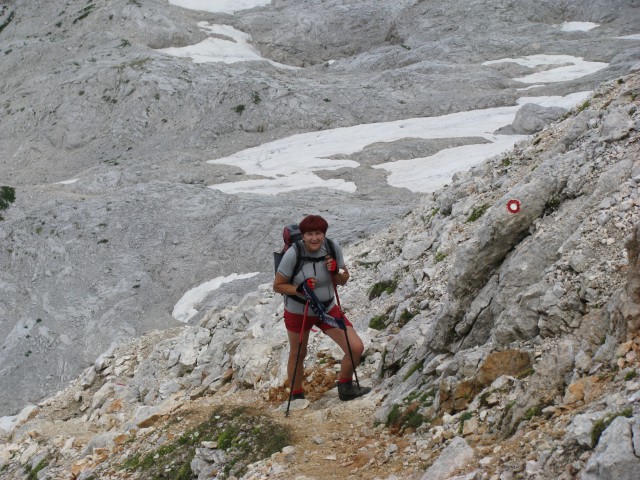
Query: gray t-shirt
{"x": 310, "y": 269}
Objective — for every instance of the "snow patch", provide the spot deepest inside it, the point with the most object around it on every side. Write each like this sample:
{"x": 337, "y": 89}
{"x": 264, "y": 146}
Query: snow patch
{"x": 577, "y": 67}
{"x": 289, "y": 163}
{"x": 220, "y": 6}
{"x": 232, "y": 49}
{"x": 578, "y": 26}
{"x": 185, "y": 308}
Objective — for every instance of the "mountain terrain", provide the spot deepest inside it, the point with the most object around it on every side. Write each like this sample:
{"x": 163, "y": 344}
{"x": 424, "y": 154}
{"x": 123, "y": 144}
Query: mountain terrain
{"x": 499, "y": 343}
{"x": 106, "y": 143}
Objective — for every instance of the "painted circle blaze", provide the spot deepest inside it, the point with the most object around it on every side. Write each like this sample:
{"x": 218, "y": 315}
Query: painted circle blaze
{"x": 513, "y": 206}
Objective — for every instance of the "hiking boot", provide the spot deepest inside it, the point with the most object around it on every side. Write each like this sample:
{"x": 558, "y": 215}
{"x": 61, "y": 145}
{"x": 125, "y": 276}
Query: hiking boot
{"x": 297, "y": 396}
{"x": 349, "y": 391}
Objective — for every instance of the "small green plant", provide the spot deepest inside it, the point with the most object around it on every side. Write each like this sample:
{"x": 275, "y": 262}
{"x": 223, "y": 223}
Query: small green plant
{"x": 413, "y": 369}
{"x": 601, "y": 425}
{"x": 379, "y": 322}
{"x": 239, "y": 109}
{"x": 124, "y": 43}
{"x": 246, "y": 437}
{"x": 440, "y": 256}
{"x": 509, "y": 406}
{"x": 326, "y": 100}
{"x": 463, "y": 418}
{"x": 33, "y": 472}
{"x": 393, "y": 415}
{"x": 7, "y": 196}
{"x": 379, "y": 288}
{"x": 7, "y": 21}
{"x": 630, "y": 375}
{"x": 477, "y": 212}
{"x": 552, "y": 205}
{"x": 405, "y": 316}
{"x": 506, "y": 162}
{"x": 84, "y": 13}
{"x": 526, "y": 373}
{"x": 255, "y": 97}
{"x": 584, "y": 106}
{"x": 104, "y": 240}
{"x": 533, "y": 412}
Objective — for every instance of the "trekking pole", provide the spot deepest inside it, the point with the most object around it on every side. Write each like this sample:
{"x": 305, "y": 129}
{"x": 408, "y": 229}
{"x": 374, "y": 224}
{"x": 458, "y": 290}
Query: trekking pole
{"x": 353, "y": 364}
{"x": 295, "y": 369}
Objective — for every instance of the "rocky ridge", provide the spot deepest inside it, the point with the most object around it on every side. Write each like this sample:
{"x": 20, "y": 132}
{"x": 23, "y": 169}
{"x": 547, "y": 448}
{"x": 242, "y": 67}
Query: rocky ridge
{"x": 505, "y": 344}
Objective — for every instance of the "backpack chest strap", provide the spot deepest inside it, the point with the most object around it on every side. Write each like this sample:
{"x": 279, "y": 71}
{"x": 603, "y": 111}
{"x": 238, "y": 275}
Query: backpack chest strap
{"x": 302, "y": 301}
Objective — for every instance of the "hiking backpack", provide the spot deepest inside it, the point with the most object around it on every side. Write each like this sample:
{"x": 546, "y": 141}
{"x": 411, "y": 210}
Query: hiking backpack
{"x": 293, "y": 238}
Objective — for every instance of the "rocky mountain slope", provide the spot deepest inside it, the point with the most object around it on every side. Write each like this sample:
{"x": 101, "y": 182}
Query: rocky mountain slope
{"x": 105, "y": 140}
{"x": 500, "y": 344}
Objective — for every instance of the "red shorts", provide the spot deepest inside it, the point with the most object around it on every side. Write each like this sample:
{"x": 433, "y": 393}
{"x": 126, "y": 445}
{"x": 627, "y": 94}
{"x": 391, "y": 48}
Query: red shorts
{"x": 293, "y": 321}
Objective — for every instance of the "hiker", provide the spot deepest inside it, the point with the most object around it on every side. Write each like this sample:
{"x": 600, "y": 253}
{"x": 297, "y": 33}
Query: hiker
{"x": 317, "y": 273}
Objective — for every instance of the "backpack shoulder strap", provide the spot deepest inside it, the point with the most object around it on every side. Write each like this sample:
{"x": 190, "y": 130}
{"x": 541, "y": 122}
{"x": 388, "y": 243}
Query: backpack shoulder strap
{"x": 299, "y": 259}
{"x": 331, "y": 248}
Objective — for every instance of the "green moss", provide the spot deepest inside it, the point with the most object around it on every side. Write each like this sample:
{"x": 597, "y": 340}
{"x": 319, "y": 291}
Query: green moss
{"x": 602, "y": 424}
{"x": 526, "y": 373}
{"x": 246, "y": 438}
{"x": 584, "y": 106}
{"x": 255, "y": 98}
{"x": 477, "y": 212}
{"x": 427, "y": 398}
{"x": 7, "y": 196}
{"x": 84, "y": 13}
{"x": 506, "y": 162}
{"x": 239, "y": 109}
{"x": 533, "y": 412}
{"x": 413, "y": 369}
{"x": 379, "y": 288}
{"x": 32, "y": 473}
{"x": 463, "y": 418}
{"x": 393, "y": 416}
{"x": 379, "y": 322}
{"x": 414, "y": 420}
{"x": 405, "y": 316}
{"x": 7, "y": 21}
{"x": 630, "y": 375}
{"x": 440, "y": 256}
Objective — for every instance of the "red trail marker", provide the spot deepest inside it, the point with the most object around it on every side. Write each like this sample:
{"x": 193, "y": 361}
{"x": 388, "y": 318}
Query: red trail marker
{"x": 513, "y": 206}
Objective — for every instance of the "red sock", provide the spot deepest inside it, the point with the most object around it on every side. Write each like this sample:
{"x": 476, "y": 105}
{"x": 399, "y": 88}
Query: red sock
{"x": 344, "y": 380}
{"x": 296, "y": 392}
